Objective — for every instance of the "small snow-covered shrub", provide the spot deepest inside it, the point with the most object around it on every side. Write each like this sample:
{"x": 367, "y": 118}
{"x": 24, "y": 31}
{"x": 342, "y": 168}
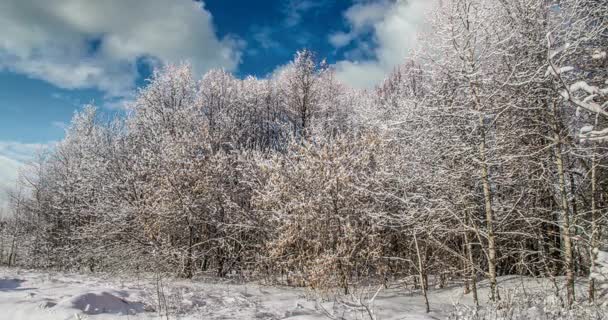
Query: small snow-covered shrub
{"x": 540, "y": 306}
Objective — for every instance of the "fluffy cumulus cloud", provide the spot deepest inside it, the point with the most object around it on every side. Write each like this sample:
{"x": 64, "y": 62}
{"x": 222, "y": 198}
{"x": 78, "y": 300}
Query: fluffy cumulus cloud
{"x": 393, "y": 26}
{"x": 361, "y": 17}
{"x": 97, "y": 44}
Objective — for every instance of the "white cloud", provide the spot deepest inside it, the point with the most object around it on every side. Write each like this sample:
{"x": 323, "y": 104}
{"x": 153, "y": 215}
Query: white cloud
{"x": 295, "y": 9}
{"x": 394, "y": 26}
{"x": 80, "y": 44}
{"x": 360, "y": 18}
{"x": 263, "y": 36}
{"x": 59, "y": 124}
{"x": 21, "y": 152}
{"x": 9, "y": 169}
{"x": 340, "y": 39}
{"x": 362, "y": 15}
{"x": 123, "y": 103}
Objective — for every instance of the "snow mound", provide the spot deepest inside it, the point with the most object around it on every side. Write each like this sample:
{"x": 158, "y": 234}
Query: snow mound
{"x": 102, "y": 302}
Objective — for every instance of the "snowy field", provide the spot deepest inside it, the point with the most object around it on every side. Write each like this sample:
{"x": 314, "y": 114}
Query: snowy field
{"x": 33, "y": 295}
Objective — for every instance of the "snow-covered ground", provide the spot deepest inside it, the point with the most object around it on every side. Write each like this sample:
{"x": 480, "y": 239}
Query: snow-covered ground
{"x": 35, "y": 295}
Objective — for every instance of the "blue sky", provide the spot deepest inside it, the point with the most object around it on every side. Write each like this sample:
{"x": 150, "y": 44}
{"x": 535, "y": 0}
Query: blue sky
{"x": 57, "y": 55}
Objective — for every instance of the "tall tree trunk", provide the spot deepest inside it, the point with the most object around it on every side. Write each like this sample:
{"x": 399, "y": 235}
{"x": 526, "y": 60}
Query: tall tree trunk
{"x": 487, "y": 195}
{"x": 466, "y": 265}
{"x": 594, "y": 221}
{"x": 422, "y": 275}
{"x": 565, "y": 223}
{"x": 471, "y": 264}
{"x": 188, "y": 267}
{"x": 12, "y": 254}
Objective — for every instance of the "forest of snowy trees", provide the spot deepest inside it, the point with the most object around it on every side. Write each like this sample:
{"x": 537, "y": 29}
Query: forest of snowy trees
{"x": 483, "y": 154}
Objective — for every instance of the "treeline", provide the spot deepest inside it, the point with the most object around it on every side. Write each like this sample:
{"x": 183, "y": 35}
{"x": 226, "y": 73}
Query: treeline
{"x": 482, "y": 155}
